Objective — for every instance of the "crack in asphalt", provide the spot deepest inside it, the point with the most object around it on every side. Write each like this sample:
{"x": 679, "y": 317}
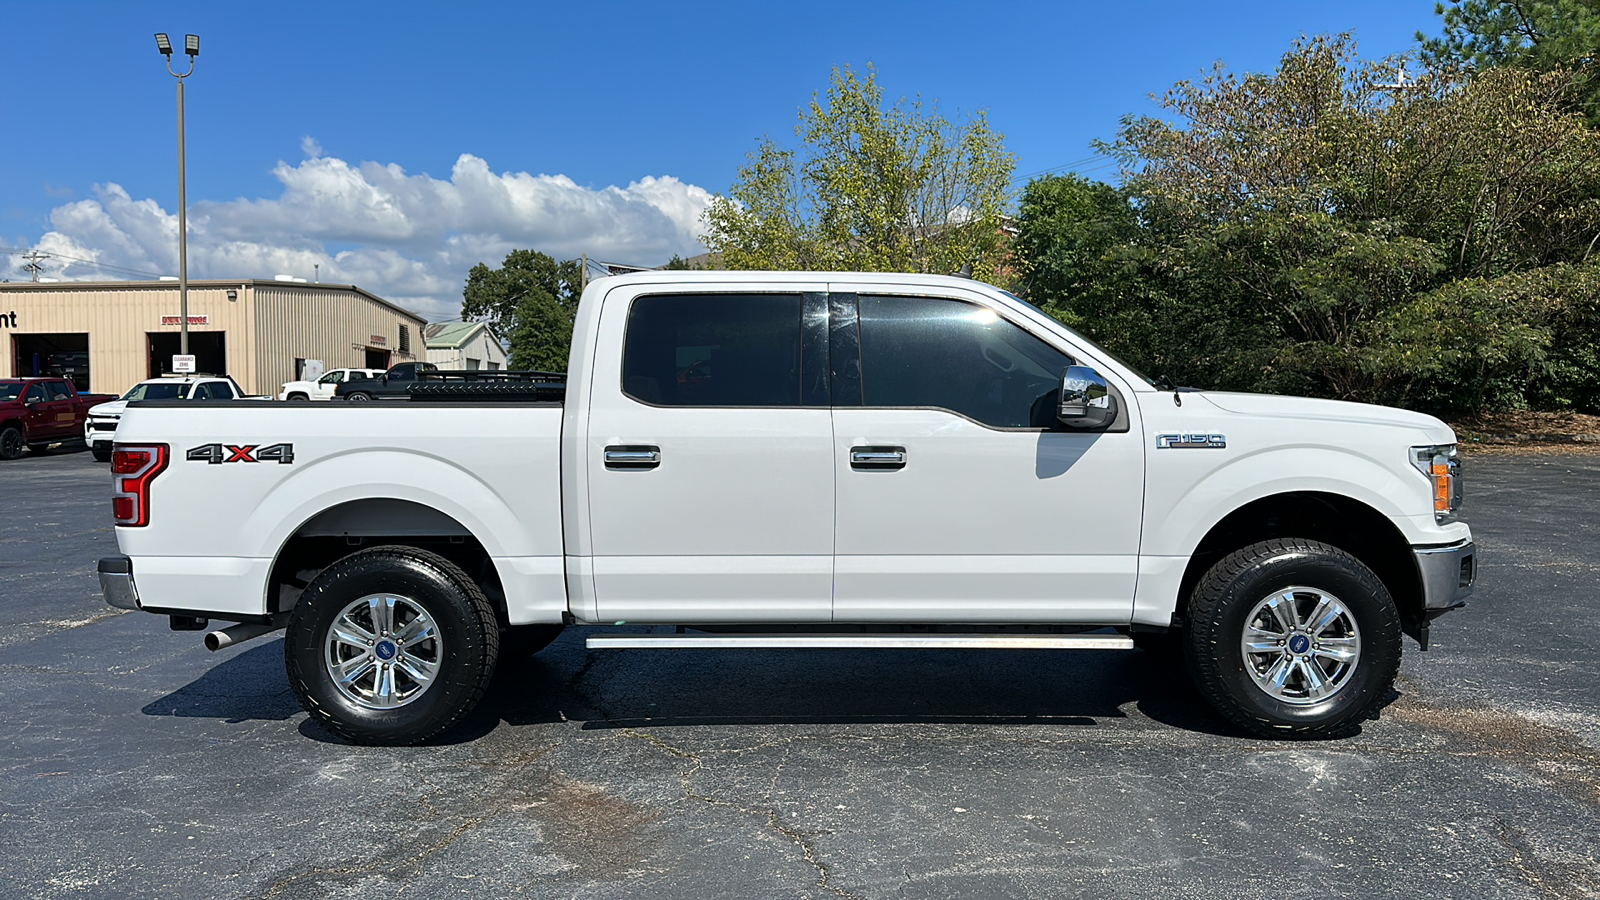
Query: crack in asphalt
{"x": 800, "y": 839}
{"x": 1556, "y": 881}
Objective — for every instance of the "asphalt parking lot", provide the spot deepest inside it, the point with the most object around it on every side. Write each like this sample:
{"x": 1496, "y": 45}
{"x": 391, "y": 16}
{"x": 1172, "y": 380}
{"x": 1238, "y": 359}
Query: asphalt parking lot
{"x": 135, "y": 764}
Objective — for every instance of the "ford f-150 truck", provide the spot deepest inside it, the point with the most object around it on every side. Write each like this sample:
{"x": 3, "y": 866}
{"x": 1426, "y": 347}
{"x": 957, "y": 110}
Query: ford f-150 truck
{"x": 801, "y": 460}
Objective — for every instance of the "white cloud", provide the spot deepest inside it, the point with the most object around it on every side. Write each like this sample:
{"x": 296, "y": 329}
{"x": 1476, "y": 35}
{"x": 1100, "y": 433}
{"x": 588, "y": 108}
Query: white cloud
{"x": 407, "y": 238}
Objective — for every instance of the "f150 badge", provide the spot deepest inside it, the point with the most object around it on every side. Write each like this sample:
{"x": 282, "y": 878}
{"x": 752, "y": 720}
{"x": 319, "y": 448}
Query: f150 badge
{"x": 217, "y": 454}
{"x": 1190, "y": 442}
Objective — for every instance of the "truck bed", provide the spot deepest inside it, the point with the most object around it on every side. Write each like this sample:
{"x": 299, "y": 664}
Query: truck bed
{"x": 491, "y": 467}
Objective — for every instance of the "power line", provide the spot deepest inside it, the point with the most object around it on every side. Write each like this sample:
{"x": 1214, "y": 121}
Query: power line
{"x": 1077, "y": 162}
{"x": 78, "y": 259}
{"x": 32, "y": 264}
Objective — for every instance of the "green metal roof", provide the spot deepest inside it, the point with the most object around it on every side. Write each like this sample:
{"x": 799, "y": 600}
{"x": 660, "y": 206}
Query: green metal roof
{"x": 449, "y": 335}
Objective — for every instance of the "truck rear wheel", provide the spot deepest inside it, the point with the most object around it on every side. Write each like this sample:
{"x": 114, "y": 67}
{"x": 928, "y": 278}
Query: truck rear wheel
{"x": 391, "y": 645}
{"x": 1293, "y": 638}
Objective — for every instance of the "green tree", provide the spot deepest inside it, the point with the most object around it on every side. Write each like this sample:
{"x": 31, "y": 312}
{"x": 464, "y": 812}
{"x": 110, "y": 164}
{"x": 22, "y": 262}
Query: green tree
{"x": 1535, "y": 34}
{"x": 531, "y": 300}
{"x": 870, "y": 188}
{"x": 1309, "y": 221}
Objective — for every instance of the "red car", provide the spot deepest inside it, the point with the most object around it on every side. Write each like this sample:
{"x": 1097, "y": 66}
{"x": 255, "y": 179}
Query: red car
{"x": 37, "y": 412}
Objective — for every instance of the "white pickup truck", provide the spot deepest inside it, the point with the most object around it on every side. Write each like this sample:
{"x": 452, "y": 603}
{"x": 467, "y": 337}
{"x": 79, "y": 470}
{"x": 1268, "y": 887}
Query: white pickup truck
{"x": 801, "y": 460}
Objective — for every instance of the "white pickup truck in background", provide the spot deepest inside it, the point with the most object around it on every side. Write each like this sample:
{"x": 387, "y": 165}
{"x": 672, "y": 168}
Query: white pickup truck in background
{"x": 801, "y": 460}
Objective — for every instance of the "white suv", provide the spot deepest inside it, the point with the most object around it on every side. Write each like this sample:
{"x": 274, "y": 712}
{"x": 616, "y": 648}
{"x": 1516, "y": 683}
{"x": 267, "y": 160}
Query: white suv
{"x": 101, "y": 425}
{"x": 323, "y": 388}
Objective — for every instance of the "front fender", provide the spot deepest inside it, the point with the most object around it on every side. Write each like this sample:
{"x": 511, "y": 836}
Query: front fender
{"x": 1190, "y": 492}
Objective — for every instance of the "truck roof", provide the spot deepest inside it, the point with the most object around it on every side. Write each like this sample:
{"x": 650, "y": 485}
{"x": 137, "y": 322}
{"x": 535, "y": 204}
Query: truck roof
{"x": 692, "y": 276}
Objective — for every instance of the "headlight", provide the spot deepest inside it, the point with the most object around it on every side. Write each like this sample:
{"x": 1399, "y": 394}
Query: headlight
{"x": 1441, "y": 466}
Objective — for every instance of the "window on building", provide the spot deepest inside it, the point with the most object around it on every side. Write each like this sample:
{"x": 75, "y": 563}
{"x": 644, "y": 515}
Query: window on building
{"x": 405, "y": 339}
{"x": 927, "y": 352}
{"x": 713, "y": 350}
{"x": 472, "y": 364}
{"x": 494, "y": 366}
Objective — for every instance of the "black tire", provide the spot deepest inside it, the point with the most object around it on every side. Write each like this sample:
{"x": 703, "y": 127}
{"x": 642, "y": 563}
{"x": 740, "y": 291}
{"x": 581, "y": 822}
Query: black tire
{"x": 1225, "y": 598}
{"x": 12, "y": 442}
{"x": 521, "y": 641}
{"x": 467, "y": 629}
{"x": 101, "y": 451}
{"x": 297, "y": 398}
{"x": 358, "y": 397}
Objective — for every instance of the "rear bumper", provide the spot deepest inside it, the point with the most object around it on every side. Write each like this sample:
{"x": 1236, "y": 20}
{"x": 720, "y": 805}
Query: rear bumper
{"x": 1447, "y": 573}
{"x": 116, "y": 582}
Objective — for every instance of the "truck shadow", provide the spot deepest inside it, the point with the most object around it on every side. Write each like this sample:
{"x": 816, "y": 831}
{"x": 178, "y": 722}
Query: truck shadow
{"x": 685, "y": 688}
{"x": 247, "y": 686}
{"x": 666, "y": 688}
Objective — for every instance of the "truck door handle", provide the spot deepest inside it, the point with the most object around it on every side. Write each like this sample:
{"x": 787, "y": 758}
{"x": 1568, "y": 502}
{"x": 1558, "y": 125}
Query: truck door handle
{"x": 633, "y": 456}
{"x": 877, "y": 457}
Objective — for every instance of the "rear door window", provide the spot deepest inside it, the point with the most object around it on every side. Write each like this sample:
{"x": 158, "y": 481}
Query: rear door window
{"x": 713, "y": 350}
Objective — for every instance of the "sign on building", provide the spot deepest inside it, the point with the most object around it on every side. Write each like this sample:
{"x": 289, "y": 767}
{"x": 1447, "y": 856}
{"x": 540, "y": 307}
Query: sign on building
{"x": 183, "y": 364}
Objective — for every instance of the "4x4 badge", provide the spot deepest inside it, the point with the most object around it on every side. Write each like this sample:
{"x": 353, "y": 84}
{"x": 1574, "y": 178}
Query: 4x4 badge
{"x": 217, "y": 454}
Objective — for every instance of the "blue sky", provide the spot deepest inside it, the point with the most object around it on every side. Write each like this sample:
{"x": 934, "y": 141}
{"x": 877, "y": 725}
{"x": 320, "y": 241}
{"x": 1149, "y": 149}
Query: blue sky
{"x": 397, "y": 144}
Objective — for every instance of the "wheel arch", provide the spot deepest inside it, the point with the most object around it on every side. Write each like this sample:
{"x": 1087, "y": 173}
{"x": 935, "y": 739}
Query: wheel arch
{"x": 1335, "y": 519}
{"x": 351, "y": 526}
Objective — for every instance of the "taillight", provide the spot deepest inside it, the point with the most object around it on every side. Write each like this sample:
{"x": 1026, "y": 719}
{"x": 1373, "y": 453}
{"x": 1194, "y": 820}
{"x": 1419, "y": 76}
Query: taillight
{"x": 133, "y": 467}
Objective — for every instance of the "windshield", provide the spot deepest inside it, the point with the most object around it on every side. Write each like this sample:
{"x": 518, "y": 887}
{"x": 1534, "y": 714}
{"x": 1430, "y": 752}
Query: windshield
{"x": 158, "y": 390}
{"x": 1124, "y": 363}
{"x": 10, "y": 391}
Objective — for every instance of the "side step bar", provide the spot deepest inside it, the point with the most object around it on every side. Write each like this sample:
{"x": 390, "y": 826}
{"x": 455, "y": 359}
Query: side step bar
{"x": 860, "y": 641}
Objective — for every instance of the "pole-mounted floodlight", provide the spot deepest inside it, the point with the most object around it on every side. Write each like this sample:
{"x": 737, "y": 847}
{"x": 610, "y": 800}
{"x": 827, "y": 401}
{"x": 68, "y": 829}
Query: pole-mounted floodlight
{"x": 191, "y": 46}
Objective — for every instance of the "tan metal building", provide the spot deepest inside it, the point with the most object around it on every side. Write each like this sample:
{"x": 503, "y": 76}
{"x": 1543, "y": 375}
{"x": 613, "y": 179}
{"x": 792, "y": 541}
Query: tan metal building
{"x": 109, "y": 335}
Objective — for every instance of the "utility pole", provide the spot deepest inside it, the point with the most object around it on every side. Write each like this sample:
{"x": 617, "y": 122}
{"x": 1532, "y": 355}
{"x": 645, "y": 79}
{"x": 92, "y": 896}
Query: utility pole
{"x": 32, "y": 264}
{"x": 191, "y": 46}
{"x": 583, "y": 279}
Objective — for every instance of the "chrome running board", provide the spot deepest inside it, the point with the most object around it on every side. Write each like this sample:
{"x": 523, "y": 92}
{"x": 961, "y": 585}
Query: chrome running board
{"x": 860, "y": 641}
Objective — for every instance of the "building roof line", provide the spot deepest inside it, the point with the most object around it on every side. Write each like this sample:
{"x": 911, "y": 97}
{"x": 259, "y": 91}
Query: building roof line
{"x": 46, "y": 286}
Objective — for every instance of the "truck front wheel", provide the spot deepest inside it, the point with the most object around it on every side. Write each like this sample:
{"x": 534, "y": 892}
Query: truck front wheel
{"x": 391, "y": 645}
{"x": 1293, "y": 638}
{"x": 12, "y": 442}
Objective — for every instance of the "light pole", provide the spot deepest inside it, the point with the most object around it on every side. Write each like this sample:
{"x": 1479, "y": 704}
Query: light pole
{"x": 191, "y": 46}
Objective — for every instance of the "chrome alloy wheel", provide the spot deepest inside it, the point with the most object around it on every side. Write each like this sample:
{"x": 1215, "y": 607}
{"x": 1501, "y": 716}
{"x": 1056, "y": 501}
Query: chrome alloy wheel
{"x": 383, "y": 651}
{"x": 1301, "y": 645}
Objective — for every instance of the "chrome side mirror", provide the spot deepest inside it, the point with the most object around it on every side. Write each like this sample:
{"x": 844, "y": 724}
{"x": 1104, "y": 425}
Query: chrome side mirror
{"x": 1086, "y": 402}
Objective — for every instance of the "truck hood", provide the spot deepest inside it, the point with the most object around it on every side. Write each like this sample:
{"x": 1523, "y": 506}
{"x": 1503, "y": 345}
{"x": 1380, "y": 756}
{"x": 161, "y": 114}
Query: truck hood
{"x": 1276, "y": 406}
{"x": 114, "y": 408}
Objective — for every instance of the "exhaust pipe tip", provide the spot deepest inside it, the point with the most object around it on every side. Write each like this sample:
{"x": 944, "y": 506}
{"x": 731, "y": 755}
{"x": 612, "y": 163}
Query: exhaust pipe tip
{"x": 238, "y": 634}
